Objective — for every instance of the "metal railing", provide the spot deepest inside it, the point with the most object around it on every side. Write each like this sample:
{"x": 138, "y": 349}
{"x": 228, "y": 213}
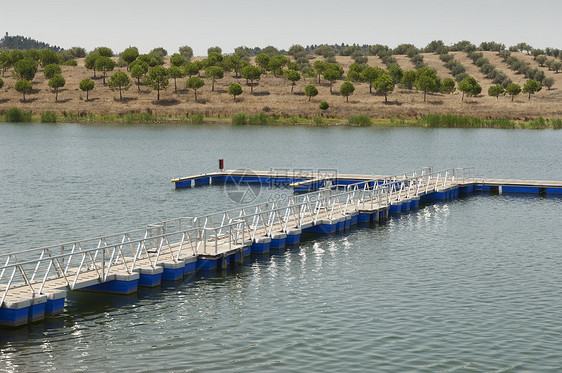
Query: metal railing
{"x": 73, "y": 263}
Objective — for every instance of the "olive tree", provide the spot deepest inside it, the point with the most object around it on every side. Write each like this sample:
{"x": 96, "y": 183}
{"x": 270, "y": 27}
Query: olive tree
{"x": 186, "y": 52}
{"x": 513, "y": 89}
{"x": 119, "y": 82}
{"x": 548, "y": 82}
{"x": 347, "y": 90}
{"x": 234, "y": 90}
{"x": 57, "y": 82}
{"x": 194, "y": 83}
{"x": 310, "y": 91}
{"x": 86, "y": 85}
{"x": 531, "y": 87}
{"x": 157, "y": 78}
{"x": 23, "y": 86}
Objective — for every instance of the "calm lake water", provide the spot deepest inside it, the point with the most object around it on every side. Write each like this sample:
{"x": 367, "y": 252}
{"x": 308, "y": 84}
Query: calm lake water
{"x": 468, "y": 285}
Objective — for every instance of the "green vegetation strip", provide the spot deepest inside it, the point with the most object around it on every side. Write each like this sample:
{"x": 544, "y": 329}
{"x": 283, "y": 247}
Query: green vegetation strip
{"x": 430, "y": 120}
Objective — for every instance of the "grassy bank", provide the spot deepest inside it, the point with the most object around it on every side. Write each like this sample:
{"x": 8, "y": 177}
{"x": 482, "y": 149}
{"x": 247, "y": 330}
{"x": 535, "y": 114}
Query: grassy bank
{"x": 262, "y": 118}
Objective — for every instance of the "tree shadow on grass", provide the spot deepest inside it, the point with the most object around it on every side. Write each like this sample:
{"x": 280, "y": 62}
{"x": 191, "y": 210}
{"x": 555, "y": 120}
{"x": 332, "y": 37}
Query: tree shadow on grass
{"x": 3, "y": 100}
{"x": 393, "y": 103}
{"x": 261, "y": 93}
{"x": 298, "y": 93}
{"x": 125, "y": 99}
{"x": 437, "y": 102}
{"x": 92, "y": 99}
{"x": 167, "y": 102}
{"x": 220, "y": 91}
{"x": 63, "y": 101}
{"x": 27, "y": 100}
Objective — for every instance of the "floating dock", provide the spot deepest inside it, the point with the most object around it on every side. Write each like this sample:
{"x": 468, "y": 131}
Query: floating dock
{"x": 34, "y": 283}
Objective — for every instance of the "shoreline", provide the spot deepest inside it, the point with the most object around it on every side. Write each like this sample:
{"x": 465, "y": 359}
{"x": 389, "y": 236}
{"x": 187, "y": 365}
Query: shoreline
{"x": 263, "y": 119}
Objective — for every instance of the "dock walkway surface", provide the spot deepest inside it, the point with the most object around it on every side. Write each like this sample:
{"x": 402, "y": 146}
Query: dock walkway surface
{"x": 34, "y": 283}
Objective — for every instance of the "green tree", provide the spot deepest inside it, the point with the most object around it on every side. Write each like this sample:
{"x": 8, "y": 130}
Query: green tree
{"x": 138, "y": 71}
{"x": 408, "y": 79}
{"x": 332, "y": 75}
{"x": 234, "y": 89}
{"x": 194, "y": 83}
{"x": 234, "y": 63}
{"x": 396, "y": 73}
{"x": 1, "y": 83}
{"x": 214, "y": 50}
{"x": 324, "y": 106}
{"x": 243, "y": 52}
{"x": 271, "y": 51}
{"x": 293, "y": 76}
{"x": 23, "y": 86}
{"x": 495, "y": 91}
{"x": 25, "y": 69}
{"x": 448, "y": 85}
{"x": 57, "y": 82}
{"x": 119, "y": 81}
{"x": 51, "y": 70}
{"x": 177, "y": 60}
{"x": 5, "y": 62}
{"x": 157, "y": 78}
{"x": 175, "y": 72}
{"x": 346, "y": 90}
{"x": 87, "y": 85}
{"x": 262, "y": 60}
{"x": 427, "y": 81}
{"x": 513, "y": 90}
{"x": 186, "y": 52}
{"x": 129, "y": 55}
{"x": 33, "y": 54}
{"x": 214, "y": 73}
{"x": 90, "y": 62}
{"x": 384, "y": 84}
{"x": 47, "y": 57}
{"x": 296, "y": 50}
{"x": 556, "y": 66}
{"x": 251, "y": 73}
{"x": 505, "y": 54}
{"x": 103, "y": 51}
{"x": 151, "y": 59}
{"x": 548, "y": 82}
{"x": 541, "y": 60}
{"x": 319, "y": 66}
{"x": 370, "y": 74}
{"x": 159, "y": 51}
{"x": 531, "y": 87}
{"x": 310, "y": 91}
{"x": 277, "y": 63}
{"x": 104, "y": 65}
{"x": 470, "y": 87}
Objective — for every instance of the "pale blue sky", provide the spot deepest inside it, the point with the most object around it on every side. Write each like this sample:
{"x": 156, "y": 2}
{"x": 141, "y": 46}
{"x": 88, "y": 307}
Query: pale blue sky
{"x": 230, "y": 23}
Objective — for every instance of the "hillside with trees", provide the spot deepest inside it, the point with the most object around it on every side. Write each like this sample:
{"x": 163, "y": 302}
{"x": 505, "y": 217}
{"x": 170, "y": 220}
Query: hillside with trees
{"x": 372, "y": 80}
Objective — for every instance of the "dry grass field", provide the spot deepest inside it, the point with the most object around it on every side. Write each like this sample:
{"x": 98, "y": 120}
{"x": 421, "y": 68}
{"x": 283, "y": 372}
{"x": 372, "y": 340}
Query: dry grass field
{"x": 273, "y": 95}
